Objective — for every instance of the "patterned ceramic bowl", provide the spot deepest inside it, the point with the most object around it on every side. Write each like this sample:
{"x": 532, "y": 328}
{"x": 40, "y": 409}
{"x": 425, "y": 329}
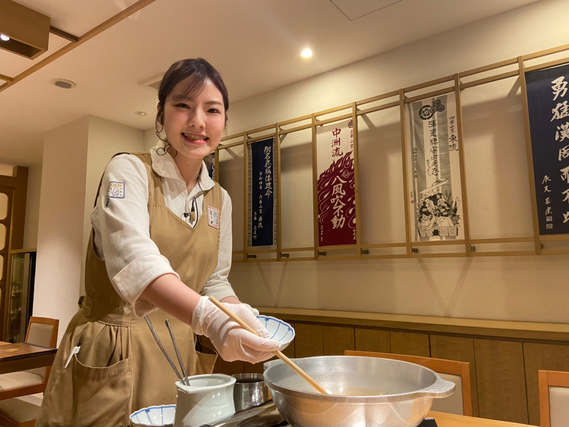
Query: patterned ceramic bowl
{"x": 154, "y": 416}
{"x": 278, "y": 330}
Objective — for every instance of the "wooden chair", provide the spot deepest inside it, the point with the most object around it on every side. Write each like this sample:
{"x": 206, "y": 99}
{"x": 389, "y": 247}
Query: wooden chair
{"x": 20, "y": 392}
{"x": 553, "y": 398}
{"x": 460, "y": 402}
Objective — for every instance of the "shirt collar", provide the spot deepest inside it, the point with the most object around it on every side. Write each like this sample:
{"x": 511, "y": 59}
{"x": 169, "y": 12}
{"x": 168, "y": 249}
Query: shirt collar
{"x": 165, "y": 166}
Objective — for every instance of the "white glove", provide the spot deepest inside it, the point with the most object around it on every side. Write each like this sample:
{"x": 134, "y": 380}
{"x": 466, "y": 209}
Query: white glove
{"x": 231, "y": 341}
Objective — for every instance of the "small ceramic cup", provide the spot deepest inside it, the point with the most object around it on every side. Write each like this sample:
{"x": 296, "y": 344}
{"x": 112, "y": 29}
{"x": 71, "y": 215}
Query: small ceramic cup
{"x": 207, "y": 400}
{"x": 249, "y": 391}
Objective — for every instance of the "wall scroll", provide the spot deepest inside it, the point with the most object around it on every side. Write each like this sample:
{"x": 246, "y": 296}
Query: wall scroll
{"x": 262, "y": 188}
{"x": 336, "y": 184}
{"x": 435, "y": 190}
{"x": 549, "y": 126}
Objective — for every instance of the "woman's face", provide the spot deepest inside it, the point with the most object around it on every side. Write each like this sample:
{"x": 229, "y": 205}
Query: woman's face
{"x": 194, "y": 125}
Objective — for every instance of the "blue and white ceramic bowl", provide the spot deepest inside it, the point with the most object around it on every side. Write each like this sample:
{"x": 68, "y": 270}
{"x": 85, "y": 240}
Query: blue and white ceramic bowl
{"x": 278, "y": 330}
{"x": 162, "y": 415}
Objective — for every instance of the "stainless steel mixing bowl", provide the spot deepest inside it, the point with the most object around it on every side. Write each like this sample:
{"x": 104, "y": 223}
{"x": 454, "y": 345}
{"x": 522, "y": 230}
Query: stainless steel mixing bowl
{"x": 381, "y": 392}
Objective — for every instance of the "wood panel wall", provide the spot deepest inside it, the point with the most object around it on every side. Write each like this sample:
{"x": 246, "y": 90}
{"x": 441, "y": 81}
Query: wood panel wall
{"x": 457, "y": 348}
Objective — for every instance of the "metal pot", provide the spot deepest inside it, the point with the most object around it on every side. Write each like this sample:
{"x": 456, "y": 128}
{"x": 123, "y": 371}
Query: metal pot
{"x": 363, "y": 391}
{"x": 249, "y": 391}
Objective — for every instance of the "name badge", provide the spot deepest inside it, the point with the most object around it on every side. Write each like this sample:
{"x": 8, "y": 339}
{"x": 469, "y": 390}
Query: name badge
{"x": 213, "y": 217}
{"x": 116, "y": 190}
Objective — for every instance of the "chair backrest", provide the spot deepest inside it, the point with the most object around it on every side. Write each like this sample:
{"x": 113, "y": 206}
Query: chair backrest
{"x": 42, "y": 331}
{"x": 553, "y": 398}
{"x": 460, "y": 402}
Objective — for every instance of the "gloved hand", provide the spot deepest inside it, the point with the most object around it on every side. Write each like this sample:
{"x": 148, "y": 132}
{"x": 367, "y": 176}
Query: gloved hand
{"x": 231, "y": 341}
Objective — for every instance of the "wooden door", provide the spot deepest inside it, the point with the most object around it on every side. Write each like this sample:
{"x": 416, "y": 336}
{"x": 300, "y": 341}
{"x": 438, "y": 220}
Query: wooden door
{"x": 6, "y": 196}
{"x": 13, "y": 193}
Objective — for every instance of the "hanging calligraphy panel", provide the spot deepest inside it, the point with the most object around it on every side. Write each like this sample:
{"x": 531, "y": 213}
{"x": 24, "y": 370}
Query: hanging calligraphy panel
{"x": 435, "y": 193}
{"x": 336, "y": 184}
{"x": 549, "y": 125}
{"x": 262, "y": 188}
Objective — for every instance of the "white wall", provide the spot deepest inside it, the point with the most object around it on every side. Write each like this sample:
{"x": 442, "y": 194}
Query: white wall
{"x": 521, "y": 31}
{"x": 74, "y": 159}
{"x": 530, "y": 288}
{"x": 60, "y": 238}
{"x": 150, "y": 139}
{"x": 32, "y": 206}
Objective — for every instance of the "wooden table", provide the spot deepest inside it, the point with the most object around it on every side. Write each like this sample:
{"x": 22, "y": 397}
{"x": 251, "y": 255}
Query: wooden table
{"x": 451, "y": 420}
{"x": 22, "y": 356}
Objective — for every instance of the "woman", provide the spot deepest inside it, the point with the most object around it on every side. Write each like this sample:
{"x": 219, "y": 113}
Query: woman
{"x": 161, "y": 239}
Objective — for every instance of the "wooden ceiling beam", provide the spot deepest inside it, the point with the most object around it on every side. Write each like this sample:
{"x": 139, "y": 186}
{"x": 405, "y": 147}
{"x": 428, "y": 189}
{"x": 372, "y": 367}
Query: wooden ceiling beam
{"x": 82, "y": 39}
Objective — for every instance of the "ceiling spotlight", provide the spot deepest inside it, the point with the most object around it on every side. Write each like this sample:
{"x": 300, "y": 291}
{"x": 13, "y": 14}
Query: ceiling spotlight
{"x": 64, "y": 84}
{"x": 306, "y": 53}
{"x": 140, "y": 113}
{"x": 4, "y": 38}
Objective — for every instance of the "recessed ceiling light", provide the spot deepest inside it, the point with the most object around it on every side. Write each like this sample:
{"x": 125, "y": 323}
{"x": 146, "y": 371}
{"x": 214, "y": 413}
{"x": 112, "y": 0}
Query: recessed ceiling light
{"x": 140, "y": 113}
{"x": 306, "y": 53}
{"x": 64, "y": 84}
{"x": 4, "y": 37}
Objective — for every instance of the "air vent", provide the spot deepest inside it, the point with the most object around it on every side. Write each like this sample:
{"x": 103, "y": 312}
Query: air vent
{"x": 355, "y": 9}
{"x": 64, "y": 84}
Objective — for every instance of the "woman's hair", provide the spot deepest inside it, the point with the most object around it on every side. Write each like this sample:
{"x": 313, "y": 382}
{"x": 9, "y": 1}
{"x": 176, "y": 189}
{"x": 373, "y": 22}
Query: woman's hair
{"x": 200, "y": 71}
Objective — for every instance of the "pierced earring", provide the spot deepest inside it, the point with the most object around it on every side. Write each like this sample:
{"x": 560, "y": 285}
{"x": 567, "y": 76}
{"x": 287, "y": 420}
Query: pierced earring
{"x": 159, "y": 131}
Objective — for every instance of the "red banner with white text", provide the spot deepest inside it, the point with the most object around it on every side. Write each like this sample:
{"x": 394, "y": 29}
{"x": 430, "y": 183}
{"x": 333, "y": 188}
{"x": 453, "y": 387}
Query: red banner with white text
{"x": 336, "y": 184}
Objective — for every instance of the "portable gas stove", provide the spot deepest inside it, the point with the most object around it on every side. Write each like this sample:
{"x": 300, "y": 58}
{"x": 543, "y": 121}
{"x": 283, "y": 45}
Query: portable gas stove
{"x": 267, "y": 415}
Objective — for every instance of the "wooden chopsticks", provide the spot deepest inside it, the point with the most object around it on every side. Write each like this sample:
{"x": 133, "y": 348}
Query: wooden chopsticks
{"x": 279, "y": 354}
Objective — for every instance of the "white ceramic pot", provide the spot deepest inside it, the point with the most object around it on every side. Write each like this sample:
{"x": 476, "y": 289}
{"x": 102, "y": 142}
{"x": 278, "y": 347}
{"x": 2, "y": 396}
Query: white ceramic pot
{"x": 207, "y": 400}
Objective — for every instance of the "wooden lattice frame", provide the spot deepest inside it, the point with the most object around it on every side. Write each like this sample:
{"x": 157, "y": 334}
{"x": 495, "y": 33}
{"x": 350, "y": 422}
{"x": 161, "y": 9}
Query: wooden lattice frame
{"x": 444, "y": 85}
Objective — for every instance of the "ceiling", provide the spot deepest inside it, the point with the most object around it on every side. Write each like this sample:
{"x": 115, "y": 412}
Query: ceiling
{"x": 255, "y": 44}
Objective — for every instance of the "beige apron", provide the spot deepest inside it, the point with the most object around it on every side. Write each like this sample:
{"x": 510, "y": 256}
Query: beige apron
{"x": 119, "y": 367}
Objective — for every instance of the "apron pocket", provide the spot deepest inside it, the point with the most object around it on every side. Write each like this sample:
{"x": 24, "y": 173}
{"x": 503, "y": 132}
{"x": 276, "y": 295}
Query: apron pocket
{"x": 101, "y": 396}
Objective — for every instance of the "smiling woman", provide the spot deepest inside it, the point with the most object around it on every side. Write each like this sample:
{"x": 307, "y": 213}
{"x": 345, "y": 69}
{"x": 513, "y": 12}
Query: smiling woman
{"x": 160, "y": 247}
{"x": 192, "y": 105}
{"x": 195, "y": 124}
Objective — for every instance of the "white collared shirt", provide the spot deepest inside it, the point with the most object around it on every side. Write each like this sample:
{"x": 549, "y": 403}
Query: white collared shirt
{"x": 122, "y": 227}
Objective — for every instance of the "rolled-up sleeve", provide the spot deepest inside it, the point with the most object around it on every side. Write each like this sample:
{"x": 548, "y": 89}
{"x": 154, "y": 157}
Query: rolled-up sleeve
{"x": 122, "y": 231}
{"x": 218, "y": 284}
